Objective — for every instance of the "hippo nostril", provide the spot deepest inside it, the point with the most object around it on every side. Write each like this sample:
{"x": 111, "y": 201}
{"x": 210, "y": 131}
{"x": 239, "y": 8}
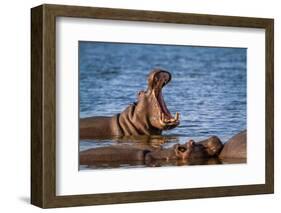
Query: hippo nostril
{"x": 182, "y": 149}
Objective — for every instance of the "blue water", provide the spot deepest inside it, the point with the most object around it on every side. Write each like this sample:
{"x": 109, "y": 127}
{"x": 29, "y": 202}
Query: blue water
{"x": 208, "y": 85}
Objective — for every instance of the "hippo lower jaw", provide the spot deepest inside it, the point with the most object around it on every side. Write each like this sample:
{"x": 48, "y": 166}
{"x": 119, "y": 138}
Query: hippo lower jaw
{"x": 169, "y": 122}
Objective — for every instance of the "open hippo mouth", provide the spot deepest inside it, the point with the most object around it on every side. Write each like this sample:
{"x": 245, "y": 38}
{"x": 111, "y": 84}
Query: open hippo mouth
{"x": 156, "y": 81}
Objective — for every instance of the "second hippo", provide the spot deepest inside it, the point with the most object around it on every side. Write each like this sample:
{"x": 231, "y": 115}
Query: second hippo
{"x": 235, "y": 147}
{"x": 130, "y": 153}
{"x": 189, "y": 153}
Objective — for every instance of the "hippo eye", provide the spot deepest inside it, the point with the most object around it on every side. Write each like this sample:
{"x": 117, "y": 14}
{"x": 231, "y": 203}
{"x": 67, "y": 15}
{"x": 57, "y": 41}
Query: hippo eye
{"x": 140, "y": 92}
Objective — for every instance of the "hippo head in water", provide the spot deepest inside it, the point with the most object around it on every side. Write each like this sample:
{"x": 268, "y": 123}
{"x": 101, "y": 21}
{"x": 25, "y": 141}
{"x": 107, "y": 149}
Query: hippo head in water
{"x": 190, "y": 150}
{"x": 182, "y": 152}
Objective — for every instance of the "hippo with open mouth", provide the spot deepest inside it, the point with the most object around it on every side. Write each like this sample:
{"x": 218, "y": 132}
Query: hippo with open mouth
{"x": 148, "y": 116}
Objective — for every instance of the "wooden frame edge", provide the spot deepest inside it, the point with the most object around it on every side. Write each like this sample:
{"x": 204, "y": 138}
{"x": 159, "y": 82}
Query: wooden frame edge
{"x": 36, "y": 106}
{"x": 269, "y": 118}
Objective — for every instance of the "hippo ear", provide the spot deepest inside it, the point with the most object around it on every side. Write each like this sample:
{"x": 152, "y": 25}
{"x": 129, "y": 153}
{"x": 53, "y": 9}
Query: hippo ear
{"x": 190, "y": 143}
{"x": 140, "y": 93}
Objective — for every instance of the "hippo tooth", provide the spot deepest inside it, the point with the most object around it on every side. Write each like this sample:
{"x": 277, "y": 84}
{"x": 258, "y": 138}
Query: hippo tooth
{"x": 177, "y": 116}
{"x": 162, "y": 122}
{"x": 172, "y": 119}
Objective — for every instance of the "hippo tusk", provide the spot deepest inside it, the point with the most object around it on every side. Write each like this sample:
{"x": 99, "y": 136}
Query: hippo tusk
{"x": 161, "y": 119}
{"x": 177, "y": 116}
{"x": 164, "y": 121}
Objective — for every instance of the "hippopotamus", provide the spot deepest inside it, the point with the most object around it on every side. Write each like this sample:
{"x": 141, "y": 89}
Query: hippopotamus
{"x": 148, "y": 116}
{"x": 210, "y": 151}
{"x": 122, "y": 153}
{"x": 208, "y": 148}
{"x": 190, "y": 151}
{"x": 181, "y": 154}
{"x": 235, "y": 147}
{"x": 175, "y": 155}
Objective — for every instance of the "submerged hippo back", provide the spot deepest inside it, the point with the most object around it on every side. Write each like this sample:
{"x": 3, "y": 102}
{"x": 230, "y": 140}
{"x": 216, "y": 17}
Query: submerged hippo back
{"x": 235, "y": 147}
{"x": 111, "y": 154}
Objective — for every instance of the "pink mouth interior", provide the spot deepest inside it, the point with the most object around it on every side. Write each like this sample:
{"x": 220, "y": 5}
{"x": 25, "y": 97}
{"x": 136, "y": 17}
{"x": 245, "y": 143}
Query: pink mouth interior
{"x": 163, "y": 106}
